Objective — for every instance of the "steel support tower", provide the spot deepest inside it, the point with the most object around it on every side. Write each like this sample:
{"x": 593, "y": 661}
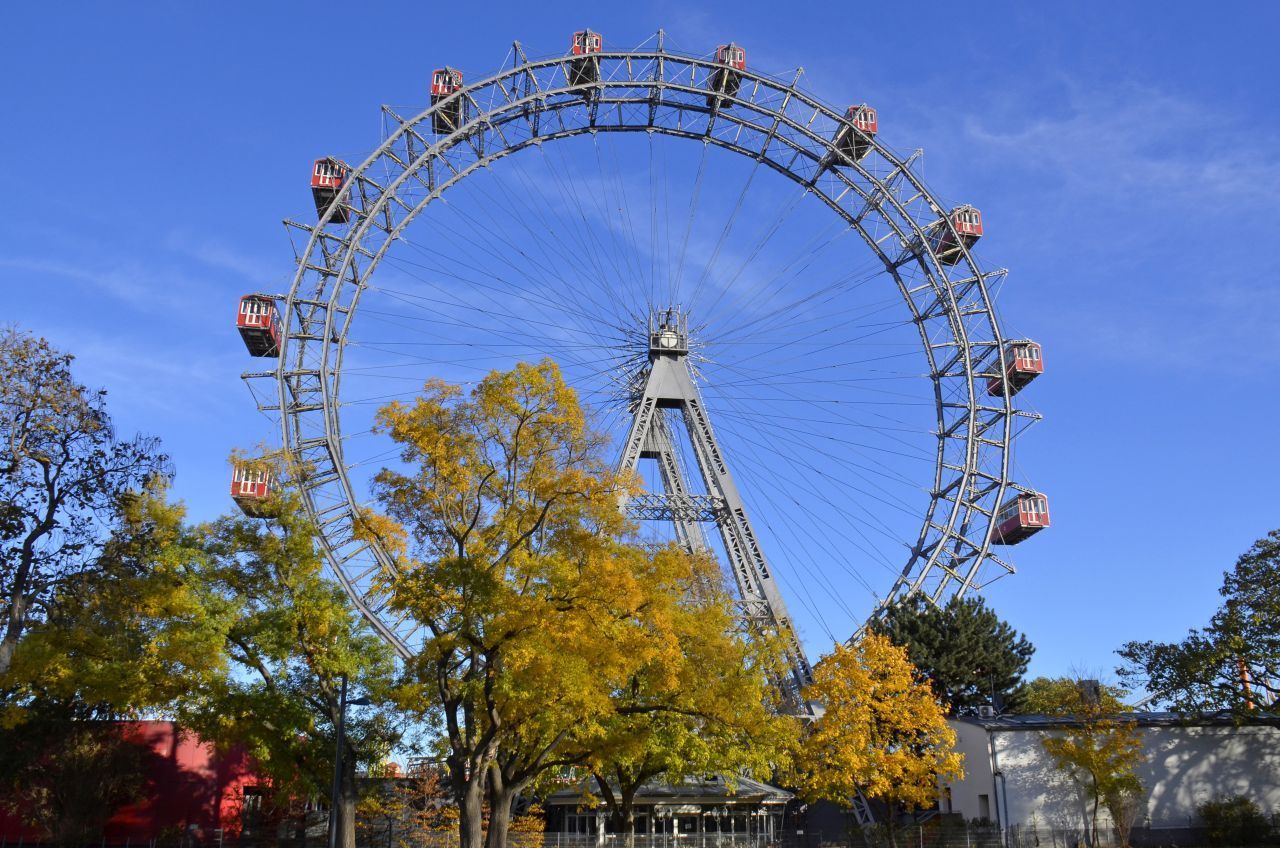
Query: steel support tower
{"x": 668, "y": 384}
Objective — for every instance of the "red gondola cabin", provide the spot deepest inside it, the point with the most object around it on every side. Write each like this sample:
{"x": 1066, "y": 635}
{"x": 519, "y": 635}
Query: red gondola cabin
{"x": 585, "y": 67}
{"x": 967, "y": 222}
{"x": 259, "y": 325}
{"x": 251, "y": 489}
{"x": 854, "y": 138}
{"x": 328, "y": 179}
{"x": 731, "y": 61}
{"x": 1021, "y": 516}
{"x": 1020, "y": 364}
{"x": 450, "y": 111}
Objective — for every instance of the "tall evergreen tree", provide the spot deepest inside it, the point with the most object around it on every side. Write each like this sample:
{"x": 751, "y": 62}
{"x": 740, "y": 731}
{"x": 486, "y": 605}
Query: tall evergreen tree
{"x": 968, "y": 654}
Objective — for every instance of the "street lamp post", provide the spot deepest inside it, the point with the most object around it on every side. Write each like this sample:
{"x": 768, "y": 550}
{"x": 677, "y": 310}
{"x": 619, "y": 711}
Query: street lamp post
{"x": 335, "y": 815}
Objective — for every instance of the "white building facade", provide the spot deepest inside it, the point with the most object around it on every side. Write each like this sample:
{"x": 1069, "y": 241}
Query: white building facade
{"x": 1011, "y": 780}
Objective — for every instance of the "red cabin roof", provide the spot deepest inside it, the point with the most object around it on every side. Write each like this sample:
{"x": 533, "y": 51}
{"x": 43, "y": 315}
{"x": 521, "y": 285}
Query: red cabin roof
{"x": 732, "y": 55}
{"x": 586, "y": 41}
{"x": 329, "y": 173}
{"x": 863, "y": 117}
{"x": 445, "y": 81}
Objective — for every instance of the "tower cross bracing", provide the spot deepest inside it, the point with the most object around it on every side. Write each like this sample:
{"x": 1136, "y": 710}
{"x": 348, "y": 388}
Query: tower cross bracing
{"x": 668, "y": 384}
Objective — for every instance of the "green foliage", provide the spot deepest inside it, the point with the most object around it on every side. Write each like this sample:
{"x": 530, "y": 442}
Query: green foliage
{"x": 1068, "y": 696}
{"x": 289, "y": 636}
{"x": 63, "y": 478}
{"x": 964, "y": 649}
{"x": 65, "y": 775}
{"x": 1234, "y": 662}
{"x": 1234, "y": 821}
{"x": 127, "y": 634}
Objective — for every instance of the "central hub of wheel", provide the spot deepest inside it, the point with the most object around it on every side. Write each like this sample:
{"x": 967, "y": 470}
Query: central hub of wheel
{"x": 668, "y": 332}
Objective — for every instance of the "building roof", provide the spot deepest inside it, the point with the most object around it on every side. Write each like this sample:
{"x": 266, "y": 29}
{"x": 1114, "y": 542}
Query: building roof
{"x": 692, "y": 790}
{"x": 1223, "y": 718}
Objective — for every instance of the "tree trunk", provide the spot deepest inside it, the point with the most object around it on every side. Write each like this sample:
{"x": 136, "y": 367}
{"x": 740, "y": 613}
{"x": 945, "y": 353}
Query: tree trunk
{"x": 501, "y": 799}
{"x": 13, "y": 629}
{"x": 16, "y": 614}
{"x": 611, "y": 803}
{"x": 470, "y": 794}
{"x": 628, "y": 810}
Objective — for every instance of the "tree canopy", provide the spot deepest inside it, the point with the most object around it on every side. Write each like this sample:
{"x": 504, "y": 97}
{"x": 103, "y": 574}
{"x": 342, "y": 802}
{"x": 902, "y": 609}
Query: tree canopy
{"x": 1098, "y": 747}
{"x": 290, "y": 637}
{"x": 63, "y": 474}
{"x": 967, "y": 653}
{"x": 551, "y": 637}
{"x": 883, "y": 733}
{"x": 1234, "y": 662}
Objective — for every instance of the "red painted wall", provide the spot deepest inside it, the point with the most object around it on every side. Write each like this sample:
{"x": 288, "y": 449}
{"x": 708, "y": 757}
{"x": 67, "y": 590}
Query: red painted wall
{"x": 189, "y": 788}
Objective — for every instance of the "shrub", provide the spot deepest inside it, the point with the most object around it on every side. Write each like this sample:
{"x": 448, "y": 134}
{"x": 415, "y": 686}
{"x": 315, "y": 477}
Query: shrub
{"x": 1235, "y": 821}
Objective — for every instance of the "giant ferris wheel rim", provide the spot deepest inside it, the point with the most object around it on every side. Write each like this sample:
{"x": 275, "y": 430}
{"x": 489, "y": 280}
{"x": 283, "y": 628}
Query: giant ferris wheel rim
{"x": 954, "y": 543}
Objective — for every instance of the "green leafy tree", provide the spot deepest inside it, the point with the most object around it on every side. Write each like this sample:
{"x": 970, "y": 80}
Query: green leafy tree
{"x": 126, "y": 635}
{"x": 290, "y": 636}
{"x": 1233, "y": 663}
{"x": 63, "y": 472}
{"x": 96, "y": 620}
{"x": 66, "y": 774}
{"x": 1098, "y": 747}
{"x": 966, "y": 652}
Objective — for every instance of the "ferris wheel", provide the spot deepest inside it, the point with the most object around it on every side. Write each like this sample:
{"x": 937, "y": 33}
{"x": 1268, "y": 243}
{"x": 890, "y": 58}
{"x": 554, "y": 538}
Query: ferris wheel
{"x": 782, "y": 329}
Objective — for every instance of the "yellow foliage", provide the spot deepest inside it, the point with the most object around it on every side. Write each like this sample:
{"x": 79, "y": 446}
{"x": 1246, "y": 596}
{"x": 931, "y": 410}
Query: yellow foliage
{"x": 549, "y": 636}
{"x": 882, "y": 733}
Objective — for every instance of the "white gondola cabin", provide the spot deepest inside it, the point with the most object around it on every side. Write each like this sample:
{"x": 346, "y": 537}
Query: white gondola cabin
{"x": 259, "y": 325}
{"x": 731, "y": 61}
{"x": 1021, "y": 363}
{"x": 328, "y": 179}
{"x": 967, "y": 221}
{"x": 450, "y": 111}
{"x": 585, "y": 67}
{"x": 1021, "y": 516}
{"x": 252, "y": 488}
{"x": 853, "y": 139}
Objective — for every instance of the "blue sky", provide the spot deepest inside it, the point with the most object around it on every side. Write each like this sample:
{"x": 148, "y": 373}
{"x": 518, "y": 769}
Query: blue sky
{"x": 1124, "y": 156}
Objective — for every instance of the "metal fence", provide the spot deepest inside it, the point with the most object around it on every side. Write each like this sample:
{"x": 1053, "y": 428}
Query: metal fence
{"x": 928, "y": 835}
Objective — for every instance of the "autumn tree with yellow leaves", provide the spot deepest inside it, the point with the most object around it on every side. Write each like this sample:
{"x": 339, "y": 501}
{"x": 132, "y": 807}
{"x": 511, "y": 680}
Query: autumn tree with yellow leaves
{"x": 1099, "y": 746}
{"x": 708, "y": 709}
{"x": 548, "y": 634}
{"x": 883, "y": 733}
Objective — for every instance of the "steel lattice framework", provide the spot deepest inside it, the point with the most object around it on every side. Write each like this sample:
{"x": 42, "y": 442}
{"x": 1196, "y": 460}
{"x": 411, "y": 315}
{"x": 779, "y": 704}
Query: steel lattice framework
{"x": 770, "y": 121}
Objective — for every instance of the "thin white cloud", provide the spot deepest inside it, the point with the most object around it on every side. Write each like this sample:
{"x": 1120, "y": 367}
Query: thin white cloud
{"x": 222, "y": 257}
{"x": 128, "y": 282}
{"x": 1128, "y": 137}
